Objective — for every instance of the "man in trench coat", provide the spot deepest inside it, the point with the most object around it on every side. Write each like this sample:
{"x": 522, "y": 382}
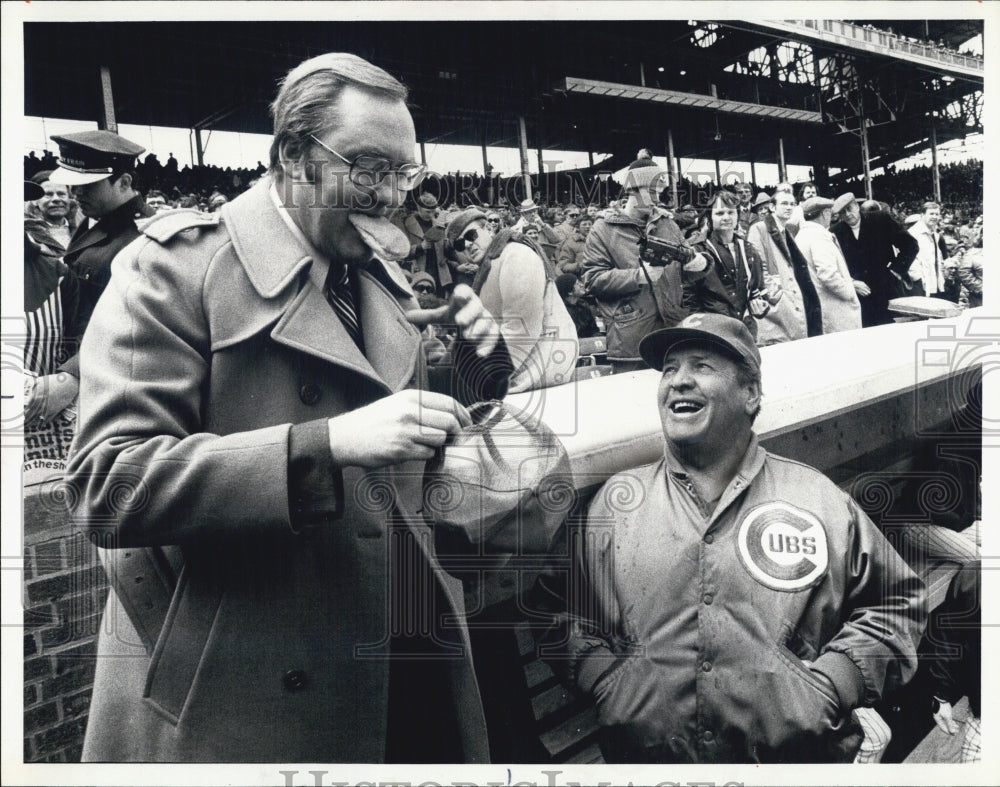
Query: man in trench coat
{"x": 253, "y": 433}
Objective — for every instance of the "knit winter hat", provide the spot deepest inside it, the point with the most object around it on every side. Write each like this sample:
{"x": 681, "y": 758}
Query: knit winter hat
{"x": 643, "y": 173}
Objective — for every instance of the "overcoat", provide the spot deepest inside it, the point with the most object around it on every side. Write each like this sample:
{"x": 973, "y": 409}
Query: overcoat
{"x": 839, "y": 300}
{"x": 798, "y": 314}
{"x": 211, "y": 366}
{"x": 881, "y": 248}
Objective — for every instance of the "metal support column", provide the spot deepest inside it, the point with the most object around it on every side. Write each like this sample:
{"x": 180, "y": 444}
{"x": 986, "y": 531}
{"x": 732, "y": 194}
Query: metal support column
{"x": 935, "y": 172}
{"x": 525, "y": 175}
{"x": 782, "y": 173}
{"x": 753, "y": 172}
{"x": 718, "y": 173}
{"x": 590, "y": 156}
{"x": 675, "y": 174}
{"x": 865, "y": 162}
{"x": 107, "y": 118}
{"x": 199, "y": 149}
{"x": 423, "y": 154}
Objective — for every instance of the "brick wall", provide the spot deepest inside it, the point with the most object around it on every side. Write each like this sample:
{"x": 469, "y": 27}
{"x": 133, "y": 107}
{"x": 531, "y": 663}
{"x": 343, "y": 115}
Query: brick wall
{"x": 63, "y": 599}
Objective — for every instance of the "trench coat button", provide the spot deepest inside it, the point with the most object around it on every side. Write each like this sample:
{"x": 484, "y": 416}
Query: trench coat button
{"x": 709, "y": 538}
{"x": 707, "y": 598}
{"x": 310, "y": 394}
{"x": 706, "y": 666}
{"x": 295, "y": 680}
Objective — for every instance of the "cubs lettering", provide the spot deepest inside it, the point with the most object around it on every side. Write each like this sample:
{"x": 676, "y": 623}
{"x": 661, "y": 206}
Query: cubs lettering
{"x": 783, "y": 547}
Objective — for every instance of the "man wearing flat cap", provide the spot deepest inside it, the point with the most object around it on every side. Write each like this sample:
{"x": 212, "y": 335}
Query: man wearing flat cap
{"x": 99, "y": 168}
{"x": 741, "y": 606}
{"x": 878, "y": 252}
{"x": 838, "y": 292}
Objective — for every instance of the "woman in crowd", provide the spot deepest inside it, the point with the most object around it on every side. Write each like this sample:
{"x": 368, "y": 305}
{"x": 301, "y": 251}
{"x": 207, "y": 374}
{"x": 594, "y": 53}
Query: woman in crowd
{"x": 516, "y": 283}
{"x": 735, "y": 283}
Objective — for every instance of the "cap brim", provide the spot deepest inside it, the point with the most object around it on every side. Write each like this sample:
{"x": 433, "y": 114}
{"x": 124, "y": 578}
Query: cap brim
{"x": 654, "y": 346}
{"x": 68, "y": 177}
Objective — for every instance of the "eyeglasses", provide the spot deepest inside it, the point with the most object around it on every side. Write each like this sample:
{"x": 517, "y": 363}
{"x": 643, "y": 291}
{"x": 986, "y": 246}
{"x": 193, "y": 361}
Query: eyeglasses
{"x": 369, "y": 171}
{"x": 469, "y": 236}
{"x": 423, "y": 289}
{"x": 492, "y": 221}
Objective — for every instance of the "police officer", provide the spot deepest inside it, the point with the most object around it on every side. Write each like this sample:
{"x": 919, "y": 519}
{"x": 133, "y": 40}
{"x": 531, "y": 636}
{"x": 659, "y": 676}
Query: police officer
{"x": 99, "y": 167}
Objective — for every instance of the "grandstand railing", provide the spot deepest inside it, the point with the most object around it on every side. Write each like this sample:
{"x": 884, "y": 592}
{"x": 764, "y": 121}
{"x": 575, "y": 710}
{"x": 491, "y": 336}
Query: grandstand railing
{"x": 880, "y": 42}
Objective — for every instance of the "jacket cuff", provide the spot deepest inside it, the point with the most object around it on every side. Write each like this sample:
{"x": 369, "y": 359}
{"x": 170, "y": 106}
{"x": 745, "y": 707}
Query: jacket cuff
{"x": 594, "y": 665}
{"x": 315, "y": 486}
{"x": 846, "y": 677}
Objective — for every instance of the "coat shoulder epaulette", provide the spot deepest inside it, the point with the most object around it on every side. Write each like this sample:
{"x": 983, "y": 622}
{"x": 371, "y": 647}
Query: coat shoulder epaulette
{"x": 164, "y": 226}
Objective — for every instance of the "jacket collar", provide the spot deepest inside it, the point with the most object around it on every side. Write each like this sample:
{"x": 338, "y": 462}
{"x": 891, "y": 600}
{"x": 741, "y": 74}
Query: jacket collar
{"x": 88, "y": 234}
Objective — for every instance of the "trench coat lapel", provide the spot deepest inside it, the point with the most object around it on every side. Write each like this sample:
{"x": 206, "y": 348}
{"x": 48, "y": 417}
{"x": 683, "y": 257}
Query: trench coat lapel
{"x": 274, "y": 259}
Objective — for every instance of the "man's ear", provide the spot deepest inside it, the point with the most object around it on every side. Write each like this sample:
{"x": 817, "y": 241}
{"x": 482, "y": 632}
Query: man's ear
{"x": 124, "y": 182}
{"x": 294, "y": 164}
{"x": 753, "y": 397}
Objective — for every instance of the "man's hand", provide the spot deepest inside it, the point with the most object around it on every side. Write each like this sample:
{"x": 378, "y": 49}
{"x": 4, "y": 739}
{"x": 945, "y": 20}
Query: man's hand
{"x": 468, "y": 268}
{"x": 943, "y": 717}
{"x": 862, "y": 289}
{"x": 465, "y": 310}
{"x": 49, "y": 396}
{"x": 405, "y": 426}
{"x": 696, "y": 264}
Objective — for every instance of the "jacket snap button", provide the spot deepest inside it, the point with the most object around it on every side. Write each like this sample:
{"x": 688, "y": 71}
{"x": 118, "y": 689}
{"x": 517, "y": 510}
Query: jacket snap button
{"x": 295, "y": 680}
{"x": 310, "y": 393}
{"x": 708, "y": 598}
{"x": 706, "y": 666}
{"x": 709, "y": 538}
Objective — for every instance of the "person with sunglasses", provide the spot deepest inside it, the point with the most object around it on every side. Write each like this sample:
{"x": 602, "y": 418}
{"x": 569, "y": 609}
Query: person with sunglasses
{"x": 255, "y": 382}
{"x": 517, "y": 285}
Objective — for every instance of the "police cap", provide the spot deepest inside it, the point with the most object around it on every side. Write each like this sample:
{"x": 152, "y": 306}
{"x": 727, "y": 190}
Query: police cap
{"x": 90, "y": 156}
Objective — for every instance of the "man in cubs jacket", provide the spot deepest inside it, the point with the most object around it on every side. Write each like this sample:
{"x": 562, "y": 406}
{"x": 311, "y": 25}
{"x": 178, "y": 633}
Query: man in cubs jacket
{"x": 730, "y": 605}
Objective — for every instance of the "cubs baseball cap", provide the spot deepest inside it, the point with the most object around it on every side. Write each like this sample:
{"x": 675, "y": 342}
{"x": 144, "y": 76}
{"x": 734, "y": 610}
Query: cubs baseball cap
{"x": 727, "y": 333}
{"x": 90, "y": 156}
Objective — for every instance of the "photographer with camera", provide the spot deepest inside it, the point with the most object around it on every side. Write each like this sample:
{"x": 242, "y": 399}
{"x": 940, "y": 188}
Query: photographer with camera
{"x": 635, "y": 263}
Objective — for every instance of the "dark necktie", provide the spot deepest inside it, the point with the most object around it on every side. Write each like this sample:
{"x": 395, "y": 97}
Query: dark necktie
{"x": 341, "y": 298}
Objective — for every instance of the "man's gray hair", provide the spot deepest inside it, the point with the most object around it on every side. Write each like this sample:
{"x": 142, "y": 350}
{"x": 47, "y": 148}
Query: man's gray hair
{"x": 306, "y": 101}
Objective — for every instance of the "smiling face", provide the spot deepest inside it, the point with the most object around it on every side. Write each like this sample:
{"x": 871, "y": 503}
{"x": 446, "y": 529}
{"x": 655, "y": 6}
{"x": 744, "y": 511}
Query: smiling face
{"x": 723, "y": 217}
{"x": 54, "y": 203}
{"x": 702, "y": 401}
{"x": 318, "y": 191}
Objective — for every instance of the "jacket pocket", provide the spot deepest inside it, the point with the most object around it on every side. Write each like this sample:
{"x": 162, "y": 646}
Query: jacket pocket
{"x": 180, "y": 646}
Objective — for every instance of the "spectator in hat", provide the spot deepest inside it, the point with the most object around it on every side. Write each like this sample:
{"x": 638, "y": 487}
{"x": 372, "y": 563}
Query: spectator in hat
{"x": 517, "y": 286}
{"x": 762, "y": 206}
{"x": 426, "y": 234}
{"x": 567, "y": 228}
{"x": 99, "y": 167}
{"x": 741, "y": 607}
{"x": 569, "y": 256}
{"x": 869, "y": 242}
{"x": 838, "y": 292}
{"x": 633, "y": 296}
{"x": 578, "y": 304}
